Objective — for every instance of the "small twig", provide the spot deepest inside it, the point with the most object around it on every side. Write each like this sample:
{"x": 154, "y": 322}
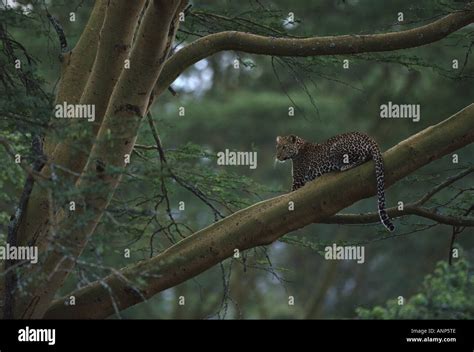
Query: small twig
{"x": 172, "y": 91}
{"x": 180, "y": 181}
{"x": 466, "y": 58}
{"x": 145, "y": 147}
{"x": 456, "y": 231}
{"x": 164, "y": 165}
{"x": 60, "y": 31}
{"x": 444, "y": 184}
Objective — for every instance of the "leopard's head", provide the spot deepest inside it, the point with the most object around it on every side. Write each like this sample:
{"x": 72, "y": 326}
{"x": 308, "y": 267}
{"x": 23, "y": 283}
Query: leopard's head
{"x": 288, "y": 147}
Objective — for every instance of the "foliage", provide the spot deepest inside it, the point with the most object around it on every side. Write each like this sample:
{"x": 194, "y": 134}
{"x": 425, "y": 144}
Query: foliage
{"x": 445, "y": 294}
{"x": 244, "y": 109}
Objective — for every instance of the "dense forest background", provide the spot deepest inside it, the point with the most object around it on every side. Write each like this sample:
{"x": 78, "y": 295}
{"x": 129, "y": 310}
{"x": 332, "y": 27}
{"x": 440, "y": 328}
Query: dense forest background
{"x": 240, "y": 102}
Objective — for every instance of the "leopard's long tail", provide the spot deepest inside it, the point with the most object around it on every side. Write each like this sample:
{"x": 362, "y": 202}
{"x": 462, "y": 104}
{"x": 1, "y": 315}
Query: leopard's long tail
{"x": 379, "y": 175}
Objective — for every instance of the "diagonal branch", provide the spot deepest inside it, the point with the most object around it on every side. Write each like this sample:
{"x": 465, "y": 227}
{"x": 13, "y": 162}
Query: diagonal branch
{"x": 313, "y": 46}
{"x": 264, "y": 222}
{"x": 59, "y": 31}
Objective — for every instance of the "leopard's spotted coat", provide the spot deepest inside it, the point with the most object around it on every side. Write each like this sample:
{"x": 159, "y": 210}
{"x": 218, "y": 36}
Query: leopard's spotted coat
{"x": 339, "y": 153}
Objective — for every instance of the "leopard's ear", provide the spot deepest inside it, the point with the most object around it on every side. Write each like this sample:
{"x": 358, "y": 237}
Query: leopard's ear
{"x": 278, "y": 139}
{"x": 292, "y": 138}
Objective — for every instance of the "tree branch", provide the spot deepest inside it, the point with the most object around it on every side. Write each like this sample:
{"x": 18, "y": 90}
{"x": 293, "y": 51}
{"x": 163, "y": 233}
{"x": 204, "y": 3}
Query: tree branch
{"x": 313, "y": 46}
{"x": 409, "y": 209}
{"x": 413, "y": 208}
{"x": 81, "y": 70}
{"x": 59, "y": 31}
{"x": 197, "y": 192}
{"x": 449, "y": 181}
{"x": 75, "y": 69}
{"x": 266, "y": 221}
{"x": 115, "y": 138}
{"x": 114, "y": 47}
{"x": 77, "y": 64}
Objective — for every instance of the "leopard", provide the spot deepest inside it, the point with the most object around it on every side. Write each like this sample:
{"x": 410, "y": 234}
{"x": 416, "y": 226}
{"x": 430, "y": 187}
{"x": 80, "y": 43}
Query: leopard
{"x": 339, "y": 153}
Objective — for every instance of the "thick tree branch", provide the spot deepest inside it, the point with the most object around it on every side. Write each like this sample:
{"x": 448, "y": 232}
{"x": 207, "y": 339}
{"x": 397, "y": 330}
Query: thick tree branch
{"x": 114, "y": 47}
{"x": 118, "y": 27}
{"x": 75, "y": 71}
{"x": 313, "y": 46}
{"x": 77, "y": 80}
{"x": 116, "y": 137}
{"x": 264, "y": 222}
{"x": 77, "y": 64}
